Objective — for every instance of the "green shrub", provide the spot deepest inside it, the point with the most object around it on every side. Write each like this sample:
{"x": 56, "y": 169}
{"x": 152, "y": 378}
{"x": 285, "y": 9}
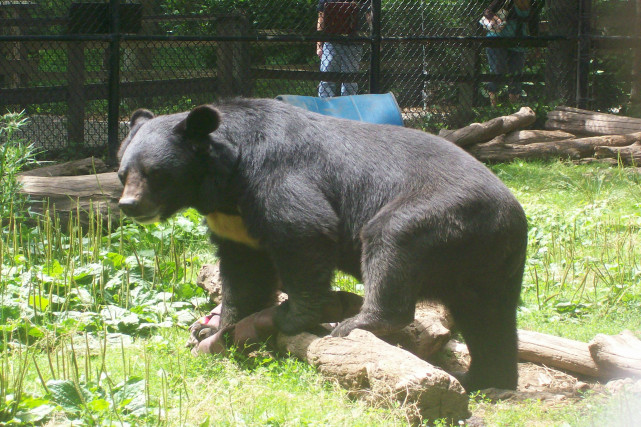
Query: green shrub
{"x": 15, "y": 154}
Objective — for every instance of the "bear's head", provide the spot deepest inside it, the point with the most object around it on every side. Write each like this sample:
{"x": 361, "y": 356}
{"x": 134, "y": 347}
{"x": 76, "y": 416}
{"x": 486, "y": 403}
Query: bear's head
{"x": 163, "y": 162}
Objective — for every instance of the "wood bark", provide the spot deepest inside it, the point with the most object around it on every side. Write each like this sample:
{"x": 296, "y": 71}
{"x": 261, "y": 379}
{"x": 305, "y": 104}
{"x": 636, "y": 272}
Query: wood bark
{"x": 629, "y": 155}
{"x": 81, "y": 196}
{"x": 525, "y": 137}
{"x": 382, "y": 374}
{"x": 568, "y": 148}
{"x": 426, "y": 335}
{"x": 592, "y": 160}
{"x": 210, "y": 281}
{"x": 91, "y": 165}
{"x": 482, "y": 132}
{"x": 587, "y": 122}
{"x": 617, "y": 356}
{"x": 557, "y": 352}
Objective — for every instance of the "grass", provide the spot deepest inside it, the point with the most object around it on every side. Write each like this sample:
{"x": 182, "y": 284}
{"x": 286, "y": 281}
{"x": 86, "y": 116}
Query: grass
{"x": 593, "y": 411}
{"x": 584, "y": 261}
{"x": 93, "y": 321}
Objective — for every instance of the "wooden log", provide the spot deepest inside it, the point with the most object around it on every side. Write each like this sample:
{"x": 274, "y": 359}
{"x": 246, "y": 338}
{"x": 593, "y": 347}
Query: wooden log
{"x": 382, "y": 374}
{"x": 535, "y": 347}
{"x": 628, "y": 155}
{"x": 482, "y": 132}
{"x": 83, "y": 195}
{"x": 557, "y": 352}
{"x": 568, "y": 148}
{"x": 592, "y": 160}
{"x": 87, "y": 166}
{"x": 210, "y": 281}
{"x": 426, "y": 335}
{"x": 586, "y": 122}
{"x": 525, "y": 137}
{"x": 617, "y": 356}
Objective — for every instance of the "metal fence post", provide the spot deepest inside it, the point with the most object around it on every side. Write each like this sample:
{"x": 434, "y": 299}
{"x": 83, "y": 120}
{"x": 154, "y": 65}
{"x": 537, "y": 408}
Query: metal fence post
{"x": 76, "y": 94}
{"x": 635, "y": 89}
{"x": 113, "y": 114}
{"x": 375, "y": 57}
{"x": 583, "y": 63}
{"x": 233, "y": 62}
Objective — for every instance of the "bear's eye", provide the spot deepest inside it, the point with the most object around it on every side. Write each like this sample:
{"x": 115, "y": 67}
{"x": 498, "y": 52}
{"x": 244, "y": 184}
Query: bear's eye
{"x": 122, "y": 177}
{"x": 157, "y": 175}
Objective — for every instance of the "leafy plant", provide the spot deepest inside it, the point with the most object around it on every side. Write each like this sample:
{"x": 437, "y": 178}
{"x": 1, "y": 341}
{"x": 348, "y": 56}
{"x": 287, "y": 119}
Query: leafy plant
{"x": 15, "y": 154}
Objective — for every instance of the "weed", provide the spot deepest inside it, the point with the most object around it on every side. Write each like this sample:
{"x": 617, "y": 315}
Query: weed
{"x": 15, "y": 154}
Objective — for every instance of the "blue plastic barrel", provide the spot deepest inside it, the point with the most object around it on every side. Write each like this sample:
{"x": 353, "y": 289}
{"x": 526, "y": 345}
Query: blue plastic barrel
{"x": 375, "y": 108}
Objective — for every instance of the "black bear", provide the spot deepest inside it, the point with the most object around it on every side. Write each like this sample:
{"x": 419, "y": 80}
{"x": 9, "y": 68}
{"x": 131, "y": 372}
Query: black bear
{"x": 292, "y": 195}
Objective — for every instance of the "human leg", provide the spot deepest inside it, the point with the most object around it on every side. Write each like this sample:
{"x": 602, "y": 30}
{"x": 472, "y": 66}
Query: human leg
{"x": 497, "y": 60}
{"x": 515, "y": 64}
{"x": 328, "y": 64}
{"x": 350, "y": 61}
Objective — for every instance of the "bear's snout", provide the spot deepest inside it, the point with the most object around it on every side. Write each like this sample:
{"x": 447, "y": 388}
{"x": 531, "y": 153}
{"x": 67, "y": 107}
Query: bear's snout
{"x": 141, "y": 212}
{"x": 128, "y": 205}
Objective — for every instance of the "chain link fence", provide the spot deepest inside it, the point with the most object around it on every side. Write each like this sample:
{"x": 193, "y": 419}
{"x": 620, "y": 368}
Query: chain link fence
{"x": 79, "y": 68}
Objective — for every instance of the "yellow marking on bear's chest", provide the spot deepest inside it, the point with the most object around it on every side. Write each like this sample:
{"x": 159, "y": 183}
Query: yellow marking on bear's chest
{"x": 230, "y": 227}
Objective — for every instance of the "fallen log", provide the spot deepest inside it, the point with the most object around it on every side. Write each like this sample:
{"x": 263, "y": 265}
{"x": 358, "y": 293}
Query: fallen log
{"x": 477, "y": 133}
{"x": 617, "y": 356}
{"x": 426, "y": 335}
{"x": 382, "y": 374}
{"x": 88, "y": 166}
{"x": 557, "y": 352}
{"x": 628, "y": 155}
{"x": 587, "y": 122}
{"x": 591, "y": 160}
{"x": 569, "y": 148}
{"x": 209, "y": 280}
{"x": 78, "y": 196}
{"x": 605, "y": 357}
{"x": 525, "y": 137}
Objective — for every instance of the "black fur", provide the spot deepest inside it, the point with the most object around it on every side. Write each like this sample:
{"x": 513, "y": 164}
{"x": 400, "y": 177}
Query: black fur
{"x": 410, "y": 214}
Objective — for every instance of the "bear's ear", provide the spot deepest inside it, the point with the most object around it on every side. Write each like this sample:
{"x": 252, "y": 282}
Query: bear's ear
{"x": 200, "y": 121}
{"x": 140, "y": 116}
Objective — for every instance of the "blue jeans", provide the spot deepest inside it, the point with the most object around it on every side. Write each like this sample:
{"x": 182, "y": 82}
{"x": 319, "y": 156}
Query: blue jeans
{"x": 341, "y": 58}
{"x": 509, "y": 62}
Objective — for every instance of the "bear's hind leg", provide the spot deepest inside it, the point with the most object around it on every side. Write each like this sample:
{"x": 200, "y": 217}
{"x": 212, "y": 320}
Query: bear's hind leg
{"x": 488, "y": 326}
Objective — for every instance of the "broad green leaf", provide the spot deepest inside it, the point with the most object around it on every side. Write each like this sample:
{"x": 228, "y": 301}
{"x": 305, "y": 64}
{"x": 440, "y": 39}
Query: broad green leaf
{"x": 38, "y": 302}
{"x": 35, "y": 414}
{"x": 65, "y": 394}
{"x": 98, "y": 405}
{"x": 54, "y": 269}
{"x": 116, "y": 259}
{"x": 130, "y": 396}
{"x": 35, "y": 332}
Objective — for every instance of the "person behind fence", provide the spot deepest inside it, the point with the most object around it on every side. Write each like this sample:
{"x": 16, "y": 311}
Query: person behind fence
{"x": 508, "y": 18}
{"x": 340, "y": 18}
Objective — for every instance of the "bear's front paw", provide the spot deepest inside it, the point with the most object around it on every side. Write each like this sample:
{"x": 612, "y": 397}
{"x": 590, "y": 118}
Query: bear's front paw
{"x": 345, "y": 327}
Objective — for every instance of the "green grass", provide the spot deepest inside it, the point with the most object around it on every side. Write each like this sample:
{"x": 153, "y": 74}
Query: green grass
{"x": 583, "y": 273}
{"x": 593, "y": 410}
{"x": 65, "y": 297}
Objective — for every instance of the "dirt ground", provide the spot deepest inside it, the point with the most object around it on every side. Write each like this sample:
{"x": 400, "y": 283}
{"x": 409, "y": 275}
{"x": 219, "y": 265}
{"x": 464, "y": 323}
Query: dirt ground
{"x": 551, "y": 387}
